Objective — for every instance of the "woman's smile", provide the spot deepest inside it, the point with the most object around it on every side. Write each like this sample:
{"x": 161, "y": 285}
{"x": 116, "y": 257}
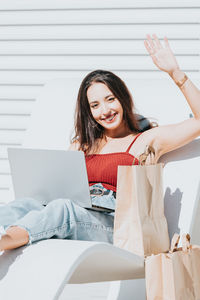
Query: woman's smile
{"x": 111, "y": 118}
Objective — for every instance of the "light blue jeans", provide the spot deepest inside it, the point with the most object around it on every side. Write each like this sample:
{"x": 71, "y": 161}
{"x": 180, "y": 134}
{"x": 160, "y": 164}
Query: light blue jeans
{"x": 61, "y": 218}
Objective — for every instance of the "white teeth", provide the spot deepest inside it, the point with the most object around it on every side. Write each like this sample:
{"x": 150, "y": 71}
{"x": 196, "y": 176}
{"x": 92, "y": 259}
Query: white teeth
{"x": 110, "y": 118}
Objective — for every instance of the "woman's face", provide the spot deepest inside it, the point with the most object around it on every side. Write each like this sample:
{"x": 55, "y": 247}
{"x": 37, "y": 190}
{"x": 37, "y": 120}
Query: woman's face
{"x": 105, "y": 108}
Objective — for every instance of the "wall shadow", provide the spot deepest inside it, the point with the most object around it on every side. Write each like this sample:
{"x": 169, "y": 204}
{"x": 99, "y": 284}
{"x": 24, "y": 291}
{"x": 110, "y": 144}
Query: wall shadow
{"x": 172, "y": 209}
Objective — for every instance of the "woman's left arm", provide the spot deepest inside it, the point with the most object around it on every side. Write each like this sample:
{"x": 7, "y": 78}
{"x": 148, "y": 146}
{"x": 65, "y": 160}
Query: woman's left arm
{"x": 170, "y": 137}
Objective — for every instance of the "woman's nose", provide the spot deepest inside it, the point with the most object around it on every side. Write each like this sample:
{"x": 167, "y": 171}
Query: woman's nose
{"x": 105, "y": 109}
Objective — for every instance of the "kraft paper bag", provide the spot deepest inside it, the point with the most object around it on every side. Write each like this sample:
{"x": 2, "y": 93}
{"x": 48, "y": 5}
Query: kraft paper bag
{"x": 174, "y": 275}
{"x": 140, "y": 225}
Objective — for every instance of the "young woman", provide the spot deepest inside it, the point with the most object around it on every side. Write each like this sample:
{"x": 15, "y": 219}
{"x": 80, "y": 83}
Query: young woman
{"x": 107, "y": 130}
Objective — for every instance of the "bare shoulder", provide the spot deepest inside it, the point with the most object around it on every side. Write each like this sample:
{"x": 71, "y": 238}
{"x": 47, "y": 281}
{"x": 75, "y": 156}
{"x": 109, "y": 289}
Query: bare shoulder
{"x": 74, "y": 146}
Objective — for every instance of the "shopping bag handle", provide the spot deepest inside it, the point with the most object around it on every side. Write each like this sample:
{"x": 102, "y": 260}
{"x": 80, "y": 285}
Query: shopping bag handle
{"x": 186, "y": 242}
{"x": 174, "y": 242}
{"x": 149, "y": 150}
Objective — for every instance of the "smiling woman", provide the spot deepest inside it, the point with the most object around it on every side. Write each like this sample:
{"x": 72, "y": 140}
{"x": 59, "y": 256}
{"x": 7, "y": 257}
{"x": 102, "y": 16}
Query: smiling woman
{"x": 108, "y": 131}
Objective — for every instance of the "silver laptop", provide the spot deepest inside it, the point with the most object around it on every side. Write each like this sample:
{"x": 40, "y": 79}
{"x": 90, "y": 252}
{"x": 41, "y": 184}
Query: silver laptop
{"x": 46, "y": 175}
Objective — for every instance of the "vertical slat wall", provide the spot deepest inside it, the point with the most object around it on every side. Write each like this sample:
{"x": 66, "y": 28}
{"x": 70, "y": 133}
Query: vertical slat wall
{"x": 41, "y": 40}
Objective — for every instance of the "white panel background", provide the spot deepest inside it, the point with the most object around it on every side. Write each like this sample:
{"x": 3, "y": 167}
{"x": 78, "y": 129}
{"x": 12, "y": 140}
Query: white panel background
{"x": 42, "y": 40}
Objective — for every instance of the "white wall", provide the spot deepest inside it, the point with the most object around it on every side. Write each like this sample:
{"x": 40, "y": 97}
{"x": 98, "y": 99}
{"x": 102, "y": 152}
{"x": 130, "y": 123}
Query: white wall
{"x": 41, "y": 40}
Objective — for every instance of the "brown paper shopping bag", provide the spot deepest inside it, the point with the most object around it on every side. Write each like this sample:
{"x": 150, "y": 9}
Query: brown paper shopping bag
{"x": 174, "y": 275}
{"x": 140, "y": 225}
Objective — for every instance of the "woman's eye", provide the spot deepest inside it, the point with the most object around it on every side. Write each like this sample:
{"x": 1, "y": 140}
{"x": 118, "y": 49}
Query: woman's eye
{"x": 94, "y": 105}
{"x": 111, "y": 99}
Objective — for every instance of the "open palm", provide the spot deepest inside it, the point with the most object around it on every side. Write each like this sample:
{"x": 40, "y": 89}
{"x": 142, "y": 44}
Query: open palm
{"x": 162, "y": 57}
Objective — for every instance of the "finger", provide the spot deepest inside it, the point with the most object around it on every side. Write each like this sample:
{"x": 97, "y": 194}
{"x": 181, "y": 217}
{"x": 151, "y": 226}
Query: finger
{"x": 150, "y": 41}
{"x": 166, "y": 42}
{"x": 149, "y": 49}
{"x": 157, "y": 42}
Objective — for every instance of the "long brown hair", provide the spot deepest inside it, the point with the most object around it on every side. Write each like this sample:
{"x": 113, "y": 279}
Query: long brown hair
{"x": 87, "y": 131}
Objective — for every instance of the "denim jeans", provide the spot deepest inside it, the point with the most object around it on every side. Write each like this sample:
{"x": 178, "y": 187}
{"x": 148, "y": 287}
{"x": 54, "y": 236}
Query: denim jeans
{"x": 61, "y": 218}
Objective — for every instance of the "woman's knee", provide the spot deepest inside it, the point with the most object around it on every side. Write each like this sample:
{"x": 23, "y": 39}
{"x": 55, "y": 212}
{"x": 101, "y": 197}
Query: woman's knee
{"x": 60, "y": 202}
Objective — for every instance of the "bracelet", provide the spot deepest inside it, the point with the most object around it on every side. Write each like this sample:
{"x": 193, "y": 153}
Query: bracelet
{"x": 180, "y": 84}
{"x": 179, "y": 78}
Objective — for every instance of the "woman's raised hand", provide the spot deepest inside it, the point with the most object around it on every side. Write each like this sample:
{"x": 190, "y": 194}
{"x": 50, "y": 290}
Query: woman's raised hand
{"x": 162, "y": 57}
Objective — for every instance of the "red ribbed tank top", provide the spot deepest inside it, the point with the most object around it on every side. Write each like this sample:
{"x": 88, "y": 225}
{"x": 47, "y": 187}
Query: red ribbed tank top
{"x": 102, "y": 168}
